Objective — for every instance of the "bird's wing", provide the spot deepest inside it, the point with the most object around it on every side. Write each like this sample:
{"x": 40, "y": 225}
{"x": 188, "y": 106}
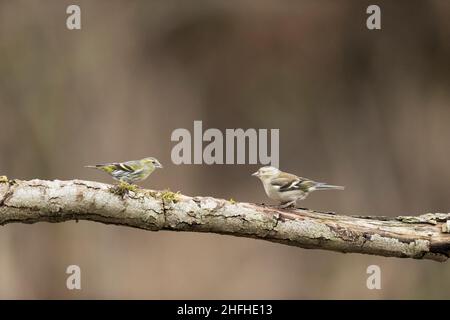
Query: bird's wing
{"x": 130, "y": 166}
{"x": 307, "y": 184}
{"x": 290, "y": 182}
{"x": 110, "y": 167}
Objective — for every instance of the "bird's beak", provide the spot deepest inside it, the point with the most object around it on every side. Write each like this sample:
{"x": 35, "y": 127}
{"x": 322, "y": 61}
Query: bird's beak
{"x": 158, "y": 165}
{"x": 255, "y": 174}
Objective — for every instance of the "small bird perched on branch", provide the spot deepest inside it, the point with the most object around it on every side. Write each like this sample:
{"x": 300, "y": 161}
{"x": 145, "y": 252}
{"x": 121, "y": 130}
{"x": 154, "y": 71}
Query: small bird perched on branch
{"x": 130, "y": 171}
{"x": 287, "y": 188}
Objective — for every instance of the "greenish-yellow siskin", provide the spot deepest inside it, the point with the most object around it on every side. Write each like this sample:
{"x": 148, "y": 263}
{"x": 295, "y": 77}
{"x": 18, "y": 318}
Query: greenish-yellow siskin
{"x": 130, "y": 171}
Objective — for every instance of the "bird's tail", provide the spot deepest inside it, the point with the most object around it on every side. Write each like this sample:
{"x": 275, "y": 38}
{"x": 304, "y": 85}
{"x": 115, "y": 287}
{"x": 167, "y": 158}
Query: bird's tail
{"x": 97, "y": 166}
{"x": 103, "y": 167}
{"x": 325, "y": 186}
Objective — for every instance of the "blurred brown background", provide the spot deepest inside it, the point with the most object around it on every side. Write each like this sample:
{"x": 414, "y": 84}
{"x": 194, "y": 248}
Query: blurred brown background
{"x": 366, "y": 109}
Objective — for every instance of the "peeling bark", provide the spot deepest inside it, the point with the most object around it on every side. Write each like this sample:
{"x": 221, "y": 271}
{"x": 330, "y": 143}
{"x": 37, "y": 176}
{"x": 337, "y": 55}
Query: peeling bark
{"x": 419, "y": 237}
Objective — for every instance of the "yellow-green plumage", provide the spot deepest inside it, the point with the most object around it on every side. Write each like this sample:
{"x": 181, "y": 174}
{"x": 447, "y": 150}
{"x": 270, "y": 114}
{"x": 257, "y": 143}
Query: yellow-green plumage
{"x": 130, "y": 171}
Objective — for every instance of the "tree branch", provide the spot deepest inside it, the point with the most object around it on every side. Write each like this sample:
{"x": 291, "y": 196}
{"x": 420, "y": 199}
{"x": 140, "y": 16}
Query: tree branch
{"x": 420, "y": 237}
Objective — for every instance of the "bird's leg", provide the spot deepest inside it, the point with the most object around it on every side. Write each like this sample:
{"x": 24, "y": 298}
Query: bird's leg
{"x": 287, "y": 204}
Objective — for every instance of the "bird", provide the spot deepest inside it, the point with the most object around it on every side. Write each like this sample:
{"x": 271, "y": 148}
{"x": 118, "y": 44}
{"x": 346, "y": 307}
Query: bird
{"x": 130, "y": 171}
{"x": 287, "y": 188}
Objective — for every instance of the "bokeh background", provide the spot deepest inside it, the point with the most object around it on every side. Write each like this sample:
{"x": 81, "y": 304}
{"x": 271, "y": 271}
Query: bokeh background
{"x": 366, "y": 109}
